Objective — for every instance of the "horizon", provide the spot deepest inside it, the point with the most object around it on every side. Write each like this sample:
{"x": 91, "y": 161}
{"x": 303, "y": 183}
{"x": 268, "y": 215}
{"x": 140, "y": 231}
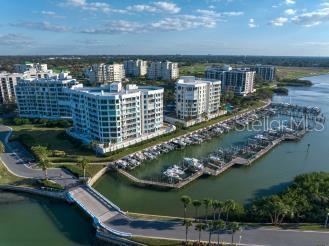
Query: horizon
{"x": 293, "y": 28}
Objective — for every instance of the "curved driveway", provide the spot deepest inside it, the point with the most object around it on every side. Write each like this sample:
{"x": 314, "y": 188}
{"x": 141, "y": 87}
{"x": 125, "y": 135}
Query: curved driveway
{"x": 20, "y": 162}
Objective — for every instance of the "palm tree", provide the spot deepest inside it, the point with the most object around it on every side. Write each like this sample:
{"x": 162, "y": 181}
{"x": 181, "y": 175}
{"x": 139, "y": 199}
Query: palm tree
{"x": 214, "y": 205}
{"x": 186, "y": 200}
{"x": 234, "y": 227}
{"x": 196, "y": 204}
{"x": 229, "y": 206}
{"x": 83, "y": 163}
{"x": 200, "y": 227}
{"x": 220, "y": 209}
{"x": 2, "y": 147}
{"x": 210, "y": 227}
{"x": 218, "y": 226}
{"x": 44, "y": 164}
{"x": 207, "y": 204}
{"x": 187, "y": 224}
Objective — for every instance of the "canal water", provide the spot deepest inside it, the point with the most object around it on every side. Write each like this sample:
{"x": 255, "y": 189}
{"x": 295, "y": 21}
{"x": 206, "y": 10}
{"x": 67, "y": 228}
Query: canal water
{"x": 32, "y": 220}
{"x": 270, "y": 174}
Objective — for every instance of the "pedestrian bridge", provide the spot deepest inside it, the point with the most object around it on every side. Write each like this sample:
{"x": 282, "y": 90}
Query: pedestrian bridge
{"x": 98, "y": 207}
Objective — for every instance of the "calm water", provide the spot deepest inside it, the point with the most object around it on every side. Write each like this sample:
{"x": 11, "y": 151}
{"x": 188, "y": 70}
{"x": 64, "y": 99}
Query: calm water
{"x": 268, "y": 175}
{"x": 31, "y": 220}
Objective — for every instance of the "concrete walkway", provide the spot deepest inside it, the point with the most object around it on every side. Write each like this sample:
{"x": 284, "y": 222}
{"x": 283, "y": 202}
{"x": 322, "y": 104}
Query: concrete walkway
{"x": 20, "y": 162}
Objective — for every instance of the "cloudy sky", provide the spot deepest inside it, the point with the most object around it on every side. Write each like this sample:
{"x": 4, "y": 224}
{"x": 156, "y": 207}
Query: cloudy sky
{"x": 232, "y": 27}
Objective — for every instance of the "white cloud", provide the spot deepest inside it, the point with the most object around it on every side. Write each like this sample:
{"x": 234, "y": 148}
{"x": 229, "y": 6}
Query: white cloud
{"x": 156, "y": 7}
{"x": 15, "y": 40}
{"x": 43, "y": 25}
{"x": 290, "y": 11}
{"x": 290, "y": 2}
{"x": 173, "y": 23}
{"x": 279, "y": 21}
{"x": 92, "y": 6}
{"x": 252, "y": 23}
{"x": 312, "y": 18}
{"x": 51, "y": 14}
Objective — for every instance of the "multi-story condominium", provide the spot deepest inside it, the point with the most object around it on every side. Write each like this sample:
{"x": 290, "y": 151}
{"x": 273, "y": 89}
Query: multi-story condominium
{"x": 238, "y": 80}
{"x": 111, "y": 114}
{"x": 33, "y": 70}
{"x": 163, "y": 70}
{"x": 135, "y": 68}
{"x": 8, "y": 82}
{"x": 266, "y": 72}
{"x": 105, "y": 73}
{"x": 21, "y": 68}
{"x": 45, "y": 97}
{"x": 196, "y": 98}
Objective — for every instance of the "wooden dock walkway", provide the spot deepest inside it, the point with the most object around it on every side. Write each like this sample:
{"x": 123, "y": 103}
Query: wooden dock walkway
{"x": 212, "y": 171}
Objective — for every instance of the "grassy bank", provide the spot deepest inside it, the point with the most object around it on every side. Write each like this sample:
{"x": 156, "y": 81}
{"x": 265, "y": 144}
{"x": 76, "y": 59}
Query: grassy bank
{"x": 292, "y": 73}
{"x": 7, "y": 178}
{"x": 157, "y": 241}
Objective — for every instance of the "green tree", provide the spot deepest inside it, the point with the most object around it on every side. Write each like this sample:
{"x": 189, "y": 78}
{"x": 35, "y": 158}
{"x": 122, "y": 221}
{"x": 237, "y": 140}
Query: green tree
{"x": 187, "y": 224}
{"x": 40, "y": 152}
{"x": 214, "y": 205}
{"x": 186, "y": 200}
{"x": 44, "y": 164}
{"x": 207, "y": 203}
{"x": 274, "y": 208}
{"x": 200, "y": 227}
{"x": 196, "y": 204}
{"x": 220, "y": 209}
{"x": 218, "y": 226}
{"x": 83, "y": 163}
{"x": 2, "y": 147}
{"x": 233, "y": 227}
{"x": 229, "y": 207}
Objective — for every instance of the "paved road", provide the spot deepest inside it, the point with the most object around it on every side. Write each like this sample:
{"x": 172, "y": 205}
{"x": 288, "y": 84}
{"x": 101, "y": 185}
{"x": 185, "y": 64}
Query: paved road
{"x": 250, "y": 236}
{"x": 17, "y": 159}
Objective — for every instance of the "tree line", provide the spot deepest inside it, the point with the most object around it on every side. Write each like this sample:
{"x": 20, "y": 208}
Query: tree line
{"x": 306, "y": 199}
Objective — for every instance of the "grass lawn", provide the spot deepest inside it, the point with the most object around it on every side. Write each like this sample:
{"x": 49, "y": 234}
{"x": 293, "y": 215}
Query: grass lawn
{"x": 77, "y": 171}
{"x": 6, "y": 178}
{"x": 156, "y": 242}
{"x": 299, "y": 72}
{"x": 197, "y": 69}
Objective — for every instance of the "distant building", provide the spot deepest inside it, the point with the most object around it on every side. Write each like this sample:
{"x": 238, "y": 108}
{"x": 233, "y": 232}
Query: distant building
{"x": 135, "y": 68}
{"x": 105, "y": 73}
{"x": 8, "y": 82}
{"x": 36, "y": 67}
{"x": 238, "y": 80}
{"x": 111, "y": 114}
{"x": 196, "y": 98}
{"x": 45, "y": 97}
{"x": 266, "y": 72}
{"x": 33, "y": 70}
{"x": 163, "y": 70}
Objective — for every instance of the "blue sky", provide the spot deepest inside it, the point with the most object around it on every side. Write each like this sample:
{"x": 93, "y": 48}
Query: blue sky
{"x": 231, "y": 27}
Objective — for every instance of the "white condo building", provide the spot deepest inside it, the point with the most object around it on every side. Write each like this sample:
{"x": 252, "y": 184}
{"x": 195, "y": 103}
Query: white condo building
{"x": 105, "y": 73}
{"x": 37, "y": 67}
{"x": 196, "y": 98}
{"x": 8, "y": 82}
{"x": 238, "y": 80}
{"x": 45, "y": 97}
{"x": 113, "y": 115}
{"x": 135, "y": 68}
{"x": 163, "y": 70}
